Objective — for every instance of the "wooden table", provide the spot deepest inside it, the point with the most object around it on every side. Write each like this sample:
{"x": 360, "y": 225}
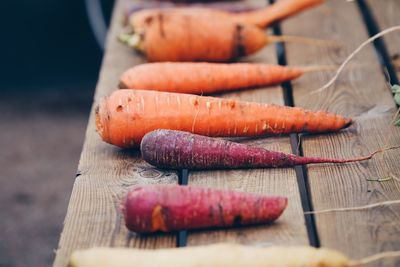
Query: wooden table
{"x": 105, "y": 172}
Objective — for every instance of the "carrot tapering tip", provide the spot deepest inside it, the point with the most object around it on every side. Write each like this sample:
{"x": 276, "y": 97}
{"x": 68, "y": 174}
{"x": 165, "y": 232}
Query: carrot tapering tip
{"x": 348, "y": 122}
{"x": 283, "y": 203}
{"x": 303, "y": 40}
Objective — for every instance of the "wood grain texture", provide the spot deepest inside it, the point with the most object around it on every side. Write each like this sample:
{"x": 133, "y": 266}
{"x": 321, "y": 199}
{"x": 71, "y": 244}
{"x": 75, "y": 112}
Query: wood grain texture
{"x": 290, "y": 228}
{"x": 386, "y": 13}
{"x": 360, "y": 92}
{"x": 106, "y": 172}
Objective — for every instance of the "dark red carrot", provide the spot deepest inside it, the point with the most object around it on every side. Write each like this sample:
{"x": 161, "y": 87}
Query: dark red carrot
{"x": 182, "y": 150}
{"x": 170, "y": 208}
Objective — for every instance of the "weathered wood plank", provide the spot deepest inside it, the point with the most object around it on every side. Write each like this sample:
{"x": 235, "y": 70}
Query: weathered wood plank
{"x": 362, "y": 94}
{"x": 386, "y": 13}
{"x": 105, "y": 173}
{"x": 290, "y": 228}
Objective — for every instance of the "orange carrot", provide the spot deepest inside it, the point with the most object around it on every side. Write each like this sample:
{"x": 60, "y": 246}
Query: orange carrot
{"x": 141, "y": 19}
{"x": 126, "y": 116}
{"x": 262, "y": 17}
{"x": 276, "y": 12}
{"x": 222, "y": 255}
{"x": 167, "y": 37}
{"x": 207, "y": 78}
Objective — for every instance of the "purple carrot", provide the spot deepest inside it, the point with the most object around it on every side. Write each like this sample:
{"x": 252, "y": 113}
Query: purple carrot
{"x": 182, "y": 150}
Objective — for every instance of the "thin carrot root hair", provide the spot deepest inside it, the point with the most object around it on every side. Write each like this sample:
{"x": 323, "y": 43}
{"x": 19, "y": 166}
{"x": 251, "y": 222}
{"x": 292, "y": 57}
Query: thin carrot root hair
{"x": 320, "y": 68}
{"x": 317, "y": 68}
{"x": 303, "y": 40}
{"x": 355, "y": 52}
{"x": 381, "y": 150}
{"x": 375, "y": 257}
{"x": 394, "y": 177}
{"x": 365, "y": 207}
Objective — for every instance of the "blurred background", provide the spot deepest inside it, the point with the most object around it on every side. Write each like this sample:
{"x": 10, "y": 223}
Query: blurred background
{"x": 51, "y": 52}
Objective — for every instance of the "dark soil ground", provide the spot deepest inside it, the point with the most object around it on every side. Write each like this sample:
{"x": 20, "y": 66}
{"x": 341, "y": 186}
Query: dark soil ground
{"x": 41, "y": 135}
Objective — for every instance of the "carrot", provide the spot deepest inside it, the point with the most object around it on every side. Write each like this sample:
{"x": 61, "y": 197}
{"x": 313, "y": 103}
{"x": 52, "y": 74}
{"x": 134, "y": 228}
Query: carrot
{"x": 216, "y": 255}
{"x": 126, "y": 116}
{"x": 280, "y": 10}
{"x": 170, "y": 208}
{"x": 168, "y": 37}
{"x": 207, "y": 78}
{"x": 192, "y": 151}
{"x": 262, "y": 17}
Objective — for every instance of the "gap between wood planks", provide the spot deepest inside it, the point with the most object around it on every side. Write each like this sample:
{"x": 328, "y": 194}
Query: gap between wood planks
{"x": 181, "y": 239}
{"x": 301, "y": 171}
{"x": 379, "y": 44}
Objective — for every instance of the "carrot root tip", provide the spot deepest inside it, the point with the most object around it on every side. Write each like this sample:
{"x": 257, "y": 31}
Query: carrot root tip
{"x": 348, "y": 123}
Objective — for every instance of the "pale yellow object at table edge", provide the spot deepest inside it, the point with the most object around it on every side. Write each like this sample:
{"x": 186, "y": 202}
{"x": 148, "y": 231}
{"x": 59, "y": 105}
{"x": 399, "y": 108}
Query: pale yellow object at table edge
{"x": 217, "y": 255}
